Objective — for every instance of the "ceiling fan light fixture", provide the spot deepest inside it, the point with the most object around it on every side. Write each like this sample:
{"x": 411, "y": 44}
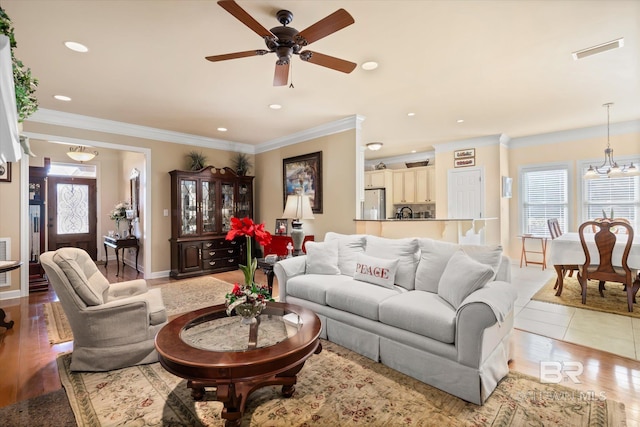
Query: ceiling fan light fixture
{"x": 594, "y": 50}
{"x": 369, "y": 65}
{"x": 374, "y": 146}
{"x": 81, "y": 154}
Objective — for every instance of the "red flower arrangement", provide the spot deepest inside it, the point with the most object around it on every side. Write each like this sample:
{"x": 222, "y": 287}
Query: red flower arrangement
{"x": 249, "y": 292}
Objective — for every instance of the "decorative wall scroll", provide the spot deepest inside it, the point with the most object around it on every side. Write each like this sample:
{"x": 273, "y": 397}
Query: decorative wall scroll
{"x": 461, "y": 163}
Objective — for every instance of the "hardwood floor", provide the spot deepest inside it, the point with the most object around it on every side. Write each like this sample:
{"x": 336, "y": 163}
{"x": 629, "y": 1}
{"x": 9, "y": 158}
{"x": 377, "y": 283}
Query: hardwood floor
{"x": 29, "y": 361}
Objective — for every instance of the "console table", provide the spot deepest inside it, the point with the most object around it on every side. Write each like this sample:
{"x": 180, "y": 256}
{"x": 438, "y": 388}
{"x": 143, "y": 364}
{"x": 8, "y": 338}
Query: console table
{"x": 117, "y": 244}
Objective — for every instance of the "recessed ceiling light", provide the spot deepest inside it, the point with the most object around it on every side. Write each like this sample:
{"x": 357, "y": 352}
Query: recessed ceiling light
{"x": 369, "y": 65}
{"x": 62, "y": 98}
{"x": 275, "y": 106}
{"x": 76, "y": 47}
{"x": 413, "y": 151}
{"x": 411, "y": 114}
{"x": 460, "y": 121}
{"x": 223, "y": 129}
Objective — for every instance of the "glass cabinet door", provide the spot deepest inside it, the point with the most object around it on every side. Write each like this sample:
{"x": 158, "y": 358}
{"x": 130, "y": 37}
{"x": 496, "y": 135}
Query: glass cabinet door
{"x": 188, "y": 211}
{"x": 227, "y": 205}
{"x": 245, "y": 199}
{"x": 208, "y": 190}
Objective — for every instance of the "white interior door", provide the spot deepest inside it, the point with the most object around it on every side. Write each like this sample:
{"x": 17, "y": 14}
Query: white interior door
{"x": 466, "y": 193}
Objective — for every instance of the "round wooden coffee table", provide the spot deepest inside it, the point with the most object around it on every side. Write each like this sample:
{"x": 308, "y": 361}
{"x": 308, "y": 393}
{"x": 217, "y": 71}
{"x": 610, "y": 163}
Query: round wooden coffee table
{"x": 211, "y": 349}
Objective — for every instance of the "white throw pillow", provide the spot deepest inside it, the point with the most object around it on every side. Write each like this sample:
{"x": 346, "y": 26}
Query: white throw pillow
{"x": 322, "y": 257}
{"x": 404, "y": 250}
{"x": 378, "y": 271}
{"x": 461, "y": 277}
{"x": 349, "y": 245}
{"x": 486, "y": 254}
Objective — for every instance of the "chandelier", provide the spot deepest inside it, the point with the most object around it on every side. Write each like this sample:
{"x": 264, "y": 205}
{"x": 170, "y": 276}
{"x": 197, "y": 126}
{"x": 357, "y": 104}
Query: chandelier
{"x": 81, "y": 154}
{"x": 609, "y": 168}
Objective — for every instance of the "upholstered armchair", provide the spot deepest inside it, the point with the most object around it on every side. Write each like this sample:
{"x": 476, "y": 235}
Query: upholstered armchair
{"x": 114, "y": 325}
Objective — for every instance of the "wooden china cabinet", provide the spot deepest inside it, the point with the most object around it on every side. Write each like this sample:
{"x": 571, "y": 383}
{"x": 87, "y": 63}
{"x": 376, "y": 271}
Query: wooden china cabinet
{"x": 202, "y": 205}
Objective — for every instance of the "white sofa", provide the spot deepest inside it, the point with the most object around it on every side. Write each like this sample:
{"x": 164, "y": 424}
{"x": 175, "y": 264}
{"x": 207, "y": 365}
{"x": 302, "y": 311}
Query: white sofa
{"x": 439, "y": 312}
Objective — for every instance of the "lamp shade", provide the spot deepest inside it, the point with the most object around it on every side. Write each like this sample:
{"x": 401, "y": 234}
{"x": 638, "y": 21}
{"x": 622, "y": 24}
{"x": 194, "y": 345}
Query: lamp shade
{"x": 298, "y": 207}
{"x": 81, "y": 154}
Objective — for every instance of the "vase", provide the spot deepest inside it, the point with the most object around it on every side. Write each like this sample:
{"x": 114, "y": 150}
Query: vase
{"x": 248, "y": 312}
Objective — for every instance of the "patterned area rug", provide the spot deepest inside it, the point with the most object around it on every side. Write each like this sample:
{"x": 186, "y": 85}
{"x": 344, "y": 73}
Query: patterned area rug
{"x": 179, "y": 297}
{"x": 614, "y": 301}
{"x": 335, "y": 388}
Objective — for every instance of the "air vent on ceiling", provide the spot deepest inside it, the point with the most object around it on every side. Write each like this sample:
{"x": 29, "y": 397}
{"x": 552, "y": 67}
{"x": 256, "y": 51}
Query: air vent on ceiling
{"x": 614, "y": 44}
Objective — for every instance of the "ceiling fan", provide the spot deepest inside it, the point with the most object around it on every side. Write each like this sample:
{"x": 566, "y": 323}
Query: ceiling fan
{"x": 287, "y": 41}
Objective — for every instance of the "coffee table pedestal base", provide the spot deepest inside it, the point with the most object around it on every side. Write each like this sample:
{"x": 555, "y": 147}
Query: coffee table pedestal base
{"x": 234, "y": 394}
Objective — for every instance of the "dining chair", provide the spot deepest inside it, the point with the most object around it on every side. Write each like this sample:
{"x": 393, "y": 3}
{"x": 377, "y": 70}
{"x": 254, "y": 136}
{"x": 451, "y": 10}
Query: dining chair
{"x": 605, "y": 240}
{"x": 556, "y": 231}
{"x": 613, "y": 229}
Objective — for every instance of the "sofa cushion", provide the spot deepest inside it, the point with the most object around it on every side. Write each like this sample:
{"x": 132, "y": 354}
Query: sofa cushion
{"x": 360, "y": 298}
{"x": 378, "y": 271}
{"x": 404, "y": 250}
{"x": 435, "y": 254}
{"x": 313, "y": 287}
{"x": 423, "y": 313}
{"x": 86, "y": 280}
{"x": 349, "y": 245}
{"x": 322, "y": 257}
{"x": 462, "y": 276}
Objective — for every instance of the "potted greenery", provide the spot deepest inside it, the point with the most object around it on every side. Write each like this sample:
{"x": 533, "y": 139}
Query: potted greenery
{"x": 241, "y": 163}
{"x": 196, "y": 160}
{"x": 25, "y": 83}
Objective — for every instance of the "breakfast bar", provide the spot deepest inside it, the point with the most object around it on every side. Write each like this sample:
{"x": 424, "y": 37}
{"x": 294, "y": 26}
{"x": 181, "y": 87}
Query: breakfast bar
{"x": 459, "y": 230}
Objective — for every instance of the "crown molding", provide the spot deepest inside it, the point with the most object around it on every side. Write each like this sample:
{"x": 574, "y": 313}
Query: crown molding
{"x": 482, "y": 141}
{"x": 59, "y": 118}
{"x": 337, "y": 126}
{"x": 599, "y": 131}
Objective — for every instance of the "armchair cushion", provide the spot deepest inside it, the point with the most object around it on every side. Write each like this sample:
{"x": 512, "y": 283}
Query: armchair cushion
{"x": 86, "y": 280}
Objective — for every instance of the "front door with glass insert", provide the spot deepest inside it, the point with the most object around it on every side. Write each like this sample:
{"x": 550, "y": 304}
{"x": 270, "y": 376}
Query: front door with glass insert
{"x": 72, "y": 214}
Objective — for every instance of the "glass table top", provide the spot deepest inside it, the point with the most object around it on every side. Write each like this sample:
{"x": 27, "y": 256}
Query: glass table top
{"x": 221, "y": 333}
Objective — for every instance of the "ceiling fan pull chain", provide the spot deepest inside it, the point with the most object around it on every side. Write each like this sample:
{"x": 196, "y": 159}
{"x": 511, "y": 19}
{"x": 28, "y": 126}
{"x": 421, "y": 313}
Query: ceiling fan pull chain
{"x": 291, "y": 76}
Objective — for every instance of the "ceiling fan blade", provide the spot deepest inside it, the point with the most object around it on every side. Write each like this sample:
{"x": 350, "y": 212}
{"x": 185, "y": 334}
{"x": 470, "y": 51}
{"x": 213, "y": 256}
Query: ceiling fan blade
{"x": 281, "y": 76}
{"x": 215, "y": 58}
{"x": 329, "y": 25}
{"x": 241, "y": 15}
{"x": 328, "y": 61}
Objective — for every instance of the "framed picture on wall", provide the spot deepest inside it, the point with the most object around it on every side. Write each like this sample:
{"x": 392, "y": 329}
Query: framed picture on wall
{"x": 462, "y": 163}
{"x": 5, "y": 172}
{"x": 463, "y": 154}
{"x": 303, "y": 174}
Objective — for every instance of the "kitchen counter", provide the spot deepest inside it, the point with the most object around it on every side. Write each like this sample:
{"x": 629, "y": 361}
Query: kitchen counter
{"x": 460, "y": 230}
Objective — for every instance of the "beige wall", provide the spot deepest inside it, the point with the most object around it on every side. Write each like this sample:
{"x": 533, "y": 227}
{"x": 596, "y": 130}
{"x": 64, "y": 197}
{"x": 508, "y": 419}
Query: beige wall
{"x": 338, "y": 181}
{"x": 10, "y": 220}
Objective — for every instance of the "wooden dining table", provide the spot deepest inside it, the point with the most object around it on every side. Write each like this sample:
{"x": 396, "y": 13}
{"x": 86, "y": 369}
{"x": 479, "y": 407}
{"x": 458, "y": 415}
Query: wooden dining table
{"x": 567, "y": 250}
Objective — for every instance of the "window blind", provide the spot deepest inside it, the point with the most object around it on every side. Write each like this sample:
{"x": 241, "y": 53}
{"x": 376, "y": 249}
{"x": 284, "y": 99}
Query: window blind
{"x": 620, "y": 195}
{"x": 545, "y": 196}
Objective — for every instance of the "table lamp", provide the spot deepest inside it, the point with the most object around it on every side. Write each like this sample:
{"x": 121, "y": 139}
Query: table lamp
{"x": 298, "y": 207}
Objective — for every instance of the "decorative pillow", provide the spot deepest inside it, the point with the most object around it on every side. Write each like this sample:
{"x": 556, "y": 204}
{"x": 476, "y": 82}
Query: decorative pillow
{"x": 461, "y": 277}
{"x": 378, "y": 271}
{"x": 349, "y": 246}
{"x": 322, "y": 257}
{"x": 404, "y": 250}
{"x": 434, "y": 256}
{"x": 485, "y": 254}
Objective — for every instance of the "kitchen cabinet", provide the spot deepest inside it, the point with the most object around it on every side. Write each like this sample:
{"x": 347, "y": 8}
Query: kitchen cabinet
{"x": 404, "y": 186}
{"x": 426, "y": 185}
{"x": 378, "y": 179}
{"x": 202, "y": 205}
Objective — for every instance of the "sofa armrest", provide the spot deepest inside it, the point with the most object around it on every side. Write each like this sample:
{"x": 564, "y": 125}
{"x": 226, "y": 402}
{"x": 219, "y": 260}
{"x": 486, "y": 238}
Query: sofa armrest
{"x": 126, "y": 289}
{"x": 285, "y": 270}
{"x": 491, "y": 305}
{"x": 504, "y": 270}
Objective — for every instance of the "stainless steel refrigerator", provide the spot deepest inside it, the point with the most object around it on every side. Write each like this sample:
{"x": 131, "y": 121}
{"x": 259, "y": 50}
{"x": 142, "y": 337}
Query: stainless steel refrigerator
{"x": 374, "y": 203}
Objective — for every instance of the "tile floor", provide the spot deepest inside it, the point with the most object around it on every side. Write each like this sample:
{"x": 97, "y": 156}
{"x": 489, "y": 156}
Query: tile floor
{"x": 603, "y": 331}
